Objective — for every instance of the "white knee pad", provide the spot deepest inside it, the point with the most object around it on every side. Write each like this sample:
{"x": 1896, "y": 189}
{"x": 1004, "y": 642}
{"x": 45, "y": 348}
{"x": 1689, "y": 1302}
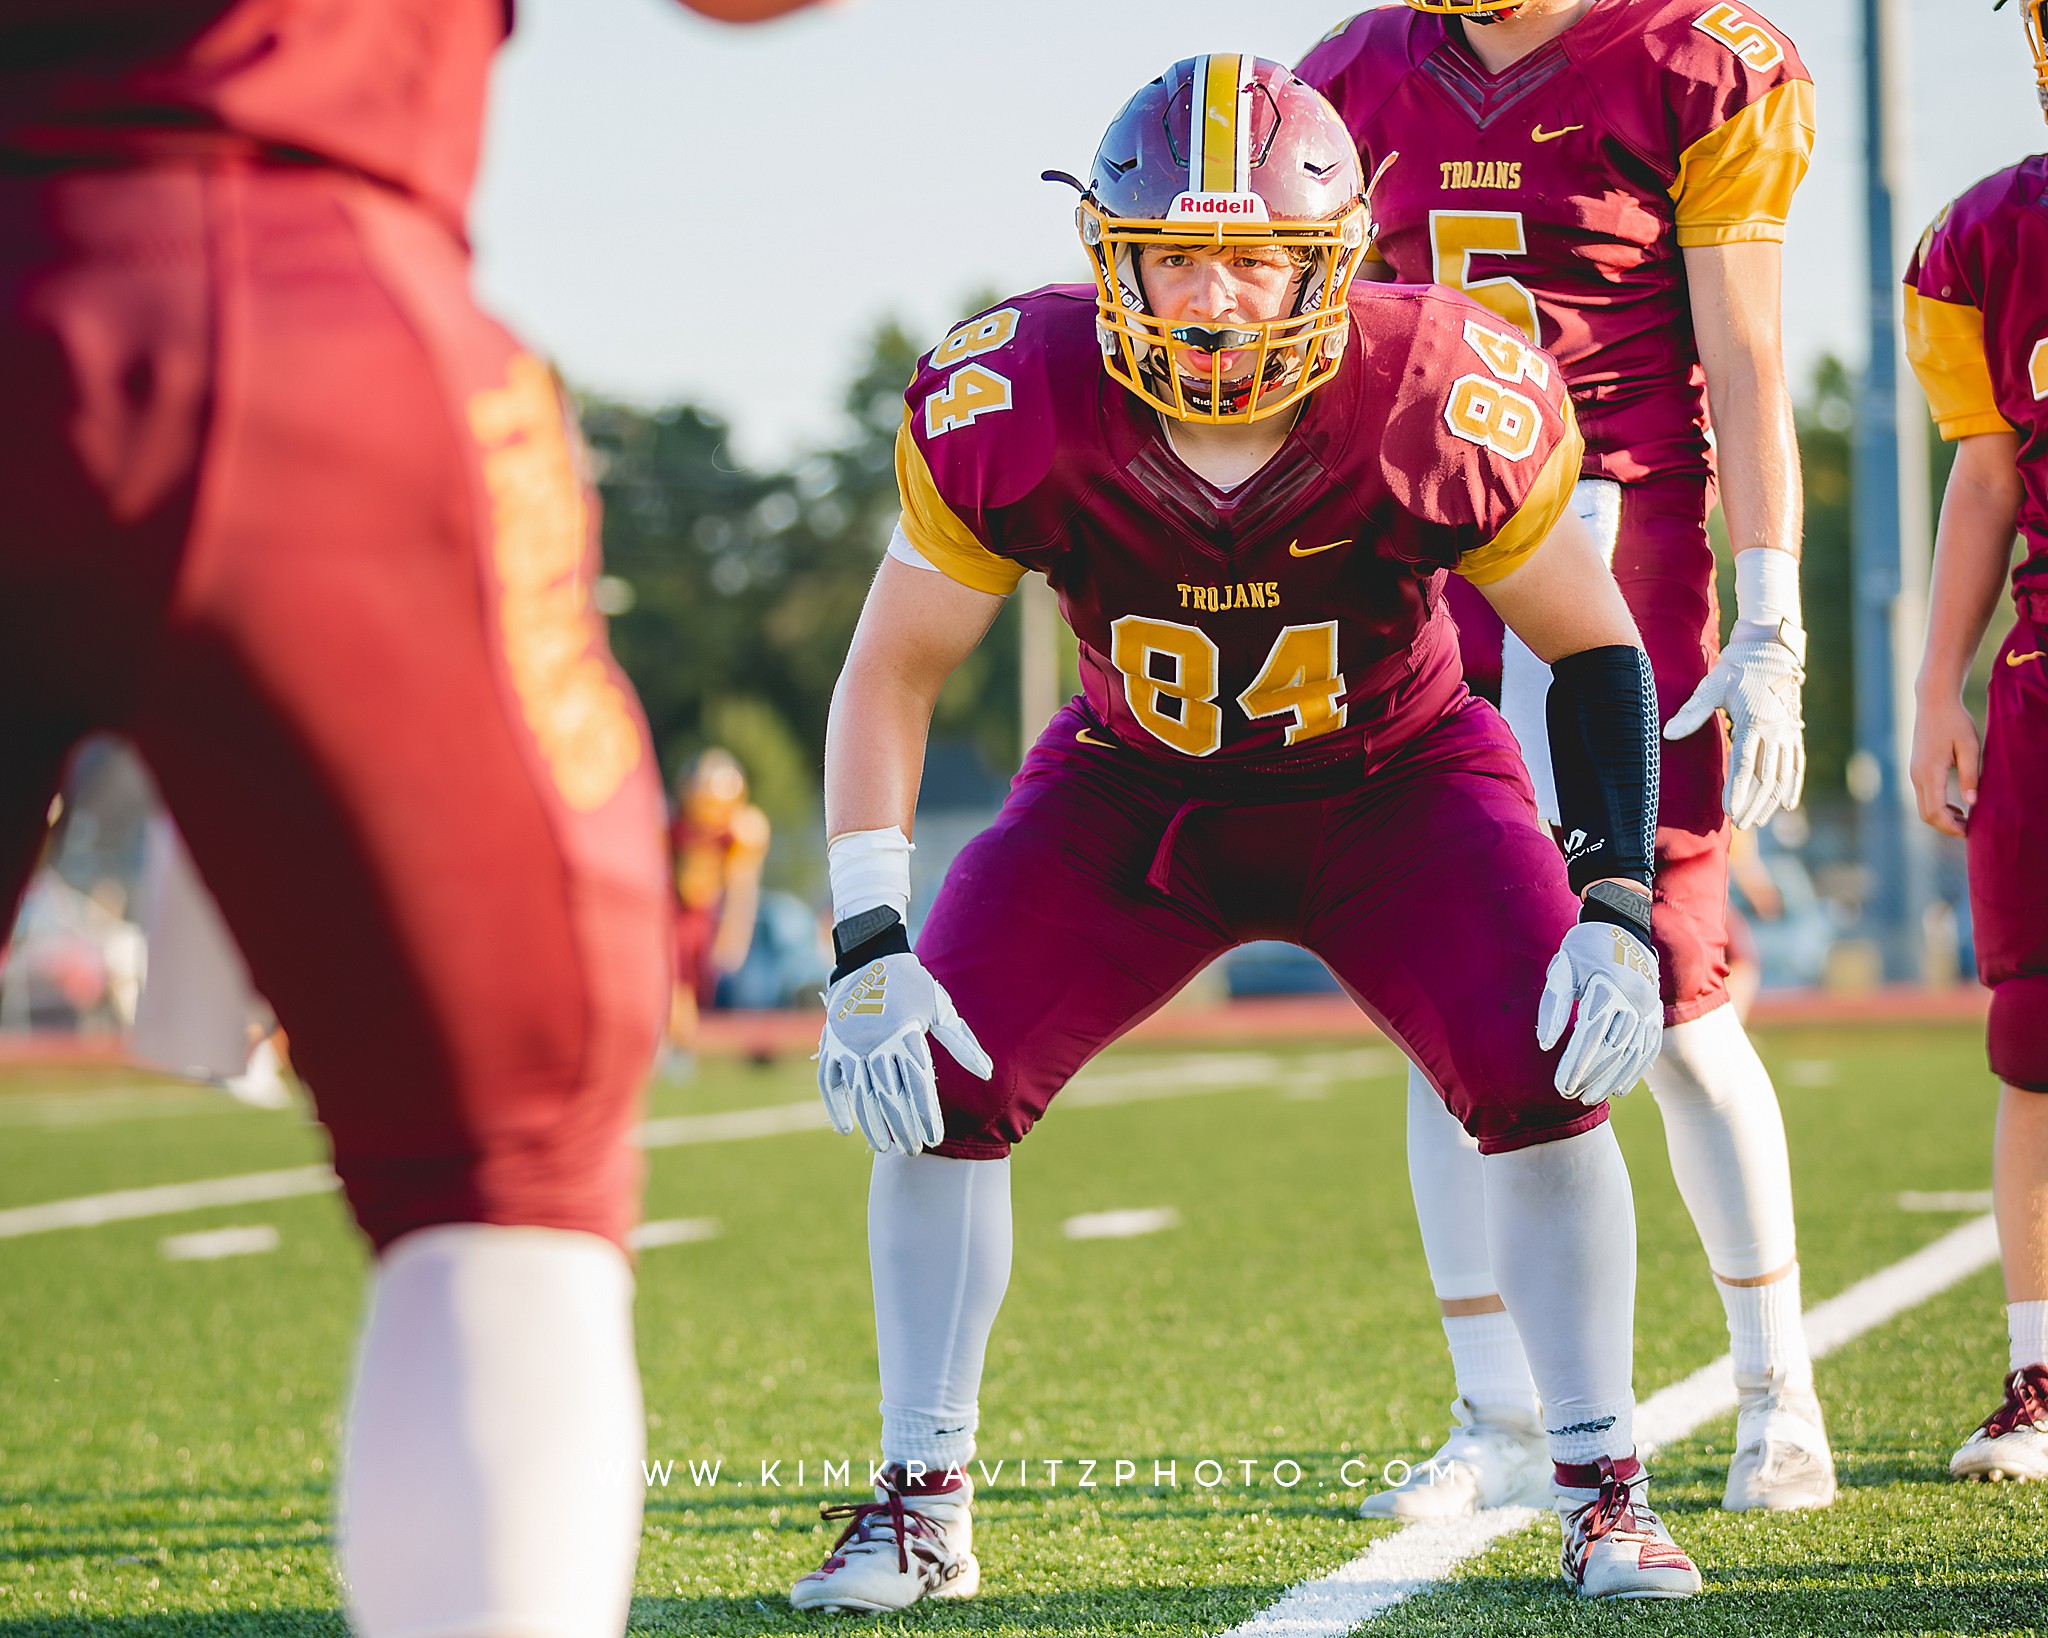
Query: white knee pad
{"x": 491, "y": 1484}
{"x": 1727, "y": 1142}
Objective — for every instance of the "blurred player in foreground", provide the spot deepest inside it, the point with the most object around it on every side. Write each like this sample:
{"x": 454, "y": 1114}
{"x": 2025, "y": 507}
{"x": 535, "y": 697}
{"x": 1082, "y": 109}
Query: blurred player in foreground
{"x": 718, "y": 840}
{"x": 288, "y": 510}
{"x": 1977, "y": 334}
{"x": 1613, "y": 178}
{"x": 1246, "y": 478}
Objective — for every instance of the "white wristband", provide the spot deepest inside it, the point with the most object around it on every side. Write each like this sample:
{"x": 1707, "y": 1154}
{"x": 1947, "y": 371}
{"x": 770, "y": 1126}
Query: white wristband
{"x": 869, "y": 869}
{"x": 1767, "y": 587}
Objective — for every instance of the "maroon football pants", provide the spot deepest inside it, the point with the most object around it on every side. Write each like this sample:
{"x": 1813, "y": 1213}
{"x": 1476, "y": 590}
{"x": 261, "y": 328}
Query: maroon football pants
{"x": 1105, "y": 884}
{"x": 2008, "y": 851}
{"x": 285, "y": 508}
{"x": 1664, "y": 565}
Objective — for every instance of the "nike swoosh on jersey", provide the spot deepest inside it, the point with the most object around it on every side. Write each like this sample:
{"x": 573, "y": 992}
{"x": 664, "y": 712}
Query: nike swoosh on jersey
{"x": 1087, "y": 738}
{"x": 2022, "y": 659}
{"x": 1296, "y": 549}
{"x": 1538, "y": 134}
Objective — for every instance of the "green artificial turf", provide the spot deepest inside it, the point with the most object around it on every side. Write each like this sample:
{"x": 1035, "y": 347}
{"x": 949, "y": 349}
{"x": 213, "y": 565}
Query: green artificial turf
{"x": 167, "y": 1429}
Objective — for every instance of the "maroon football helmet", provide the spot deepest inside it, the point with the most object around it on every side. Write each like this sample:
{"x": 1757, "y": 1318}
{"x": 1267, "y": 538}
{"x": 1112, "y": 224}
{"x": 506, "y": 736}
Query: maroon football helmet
{"x": 1219, "y": 150}
{"x": 2036, "y": 14}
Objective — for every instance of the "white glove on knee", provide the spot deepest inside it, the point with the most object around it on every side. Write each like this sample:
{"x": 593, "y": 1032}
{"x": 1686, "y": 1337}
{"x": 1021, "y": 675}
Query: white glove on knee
{"x": 1610, "y": 975}
{"x": 874, "y": 1064}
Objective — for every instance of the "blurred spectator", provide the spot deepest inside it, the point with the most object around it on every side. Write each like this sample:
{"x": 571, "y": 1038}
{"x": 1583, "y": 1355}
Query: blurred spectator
{"x": 719, "y": 840}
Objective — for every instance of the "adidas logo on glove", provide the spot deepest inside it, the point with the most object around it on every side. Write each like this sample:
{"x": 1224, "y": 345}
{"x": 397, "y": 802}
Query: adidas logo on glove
{"x": 869, "y": 994}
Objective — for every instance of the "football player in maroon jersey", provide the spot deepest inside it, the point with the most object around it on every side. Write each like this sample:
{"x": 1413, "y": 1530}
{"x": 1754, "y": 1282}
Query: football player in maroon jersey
{"x": 1977, "y": 334}
{"x": 287, "y": 509}
{"x": 1246, "y": 478}
{"x": 1613, "y": 177}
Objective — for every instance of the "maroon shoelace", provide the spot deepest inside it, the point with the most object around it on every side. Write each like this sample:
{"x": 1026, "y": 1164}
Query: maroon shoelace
{"x": 2026, "y": 1403}
{"x": 859, "y": 1515}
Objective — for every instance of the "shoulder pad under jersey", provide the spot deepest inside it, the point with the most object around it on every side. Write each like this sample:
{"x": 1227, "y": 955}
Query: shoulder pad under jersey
{"x": 1466, "y": 412}
{"x": 989, "y": 407}
{"x": 1358, "y": 63}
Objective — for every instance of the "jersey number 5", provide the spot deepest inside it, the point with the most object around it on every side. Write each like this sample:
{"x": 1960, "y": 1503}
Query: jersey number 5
{"x": 1455, "y": 237}
{"x": 1170, "y": 674}
{"x": 2037, "y": 369}
{"x": 1749, "y": 40}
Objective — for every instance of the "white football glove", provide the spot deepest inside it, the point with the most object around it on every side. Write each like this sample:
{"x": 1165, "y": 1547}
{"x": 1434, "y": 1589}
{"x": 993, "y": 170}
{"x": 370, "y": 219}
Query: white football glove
{"x": 874, "y": 1064}
{"x": 1757, "y": 682}
{"x": 1611, "y": 976}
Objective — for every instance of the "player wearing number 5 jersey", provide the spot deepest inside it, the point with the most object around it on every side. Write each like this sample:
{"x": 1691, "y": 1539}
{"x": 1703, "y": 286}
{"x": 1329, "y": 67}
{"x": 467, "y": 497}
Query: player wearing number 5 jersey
{"x": 1613, "y": 176}
{"x": 1247, "y": 481}
{"x": 1977, "y": 333}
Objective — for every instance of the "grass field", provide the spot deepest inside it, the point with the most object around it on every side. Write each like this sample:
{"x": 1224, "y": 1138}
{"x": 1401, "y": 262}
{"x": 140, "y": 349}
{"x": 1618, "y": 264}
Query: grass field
{"x": 168, "y": 1428}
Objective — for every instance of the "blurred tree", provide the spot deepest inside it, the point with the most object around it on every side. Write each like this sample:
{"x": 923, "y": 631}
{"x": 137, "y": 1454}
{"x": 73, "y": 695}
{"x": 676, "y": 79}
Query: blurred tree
{"x": 733, "y": 593}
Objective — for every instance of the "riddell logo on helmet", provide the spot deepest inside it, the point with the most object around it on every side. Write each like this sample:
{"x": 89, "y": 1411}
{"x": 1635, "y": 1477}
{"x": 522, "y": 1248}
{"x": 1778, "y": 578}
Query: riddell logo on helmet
{"x": 1244, "y": 207}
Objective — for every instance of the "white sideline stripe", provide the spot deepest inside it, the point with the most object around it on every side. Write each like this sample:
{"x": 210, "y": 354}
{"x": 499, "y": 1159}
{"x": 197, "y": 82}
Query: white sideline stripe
{"x": 1127, "y": 1224}
{"x": 1395, "y": 1567}
{"x": 1946, "y": 1200}
{"x": 90, "y": 1210}
{"x": 1215, "y": 1072}
{"x": 1412, "y": 1559}
{"x": 732, "y": 1125}
{"x": 673, "y": 1231}
{"x": 210, "y": 1245}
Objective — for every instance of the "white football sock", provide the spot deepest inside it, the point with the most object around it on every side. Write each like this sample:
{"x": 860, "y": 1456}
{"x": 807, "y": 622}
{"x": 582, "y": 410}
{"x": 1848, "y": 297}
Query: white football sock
{"x": 1727, "y": 1144}
{"x": 939, "y": 1252}
{"x": 1562, "y": 1223}
{"x": 491, "y": 1483}
{"x": 1766, "y": 1335}
{"x": 1487, "y": 1359}
{"x": 1449, "y": 1186}
{"x": 2027, "y": 1324}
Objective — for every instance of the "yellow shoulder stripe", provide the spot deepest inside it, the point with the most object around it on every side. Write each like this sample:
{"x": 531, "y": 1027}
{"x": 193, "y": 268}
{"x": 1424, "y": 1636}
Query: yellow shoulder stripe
{"x": 936, "y": 530}
{"x": 1736, "y": 183}
{"x": 1537, "y": 516}
{"x": 1945, "y": 342}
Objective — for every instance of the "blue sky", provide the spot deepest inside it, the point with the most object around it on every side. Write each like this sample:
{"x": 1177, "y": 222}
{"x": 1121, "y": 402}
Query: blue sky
{"x": 673, "y": 209}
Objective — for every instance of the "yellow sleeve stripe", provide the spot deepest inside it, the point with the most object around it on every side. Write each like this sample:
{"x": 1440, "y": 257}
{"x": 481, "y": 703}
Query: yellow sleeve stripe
{"x": 935, "y": 530}
{"x": 1530, "y": 527}
{"x": 1736, "y": 183}
{"x": 1945, "y": 343}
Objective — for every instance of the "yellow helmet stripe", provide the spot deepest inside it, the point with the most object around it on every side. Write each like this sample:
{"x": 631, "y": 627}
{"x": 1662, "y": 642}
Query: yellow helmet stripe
{"x": 1217, "y": 163}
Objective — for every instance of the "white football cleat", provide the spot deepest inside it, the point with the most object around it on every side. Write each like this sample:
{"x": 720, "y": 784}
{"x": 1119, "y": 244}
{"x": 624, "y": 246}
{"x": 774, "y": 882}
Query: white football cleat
{"x": 914, "y": 1540}
{"x": 1782, "y": 1460}
{"x": 2013, "y": 1441}
{"x": 1493, "y": 1458}
{"x": 1615, "y": 1545}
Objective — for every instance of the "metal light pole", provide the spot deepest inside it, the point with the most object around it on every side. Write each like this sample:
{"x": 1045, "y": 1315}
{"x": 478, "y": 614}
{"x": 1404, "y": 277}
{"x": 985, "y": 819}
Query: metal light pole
{"x": 1889, "y": 529}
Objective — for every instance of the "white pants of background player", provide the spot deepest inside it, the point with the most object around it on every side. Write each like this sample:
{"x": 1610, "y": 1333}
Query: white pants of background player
{"x": 1721, "y": 1124}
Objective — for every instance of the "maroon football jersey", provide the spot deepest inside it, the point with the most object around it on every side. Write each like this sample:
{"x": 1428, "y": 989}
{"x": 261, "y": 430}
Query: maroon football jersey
{"x": 1294, "y": 620}
{"x": 1977, "y": 332}
{"x": 1561, "y": 191}
{"x": 391, "y": 88}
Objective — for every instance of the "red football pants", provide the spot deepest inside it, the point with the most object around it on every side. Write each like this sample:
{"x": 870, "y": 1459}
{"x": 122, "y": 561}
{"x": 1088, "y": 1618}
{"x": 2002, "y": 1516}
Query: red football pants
{"x": 287, "y": 510}
{"x": 2009, "y": 860}
{"x": 1664, "y": 564}
{"x": 1105, "y": 884}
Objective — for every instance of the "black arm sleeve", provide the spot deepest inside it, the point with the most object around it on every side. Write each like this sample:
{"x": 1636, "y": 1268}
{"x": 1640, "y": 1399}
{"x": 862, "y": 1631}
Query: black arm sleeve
{"x": 1603, "y": 749}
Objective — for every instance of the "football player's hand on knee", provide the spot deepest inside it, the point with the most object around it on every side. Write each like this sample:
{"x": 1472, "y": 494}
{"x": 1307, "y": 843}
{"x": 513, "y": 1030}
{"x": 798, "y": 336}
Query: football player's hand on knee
{"x": 874, "y": 1063}
{"x": 1758, "y": 683}
{"x": 1609, "y": 976}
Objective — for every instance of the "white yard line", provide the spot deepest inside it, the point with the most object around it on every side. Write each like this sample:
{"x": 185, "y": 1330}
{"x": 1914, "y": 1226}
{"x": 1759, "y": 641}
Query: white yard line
{"x": 1178, "y": 1077}
{"x": 1415, "y": 1558}
{"x": 90, "y": 1210}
